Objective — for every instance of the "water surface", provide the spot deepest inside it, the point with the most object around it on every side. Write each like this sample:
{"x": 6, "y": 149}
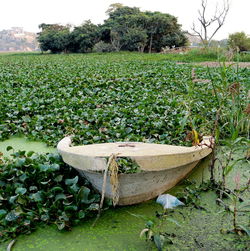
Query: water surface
{"x": 20, "y": 143}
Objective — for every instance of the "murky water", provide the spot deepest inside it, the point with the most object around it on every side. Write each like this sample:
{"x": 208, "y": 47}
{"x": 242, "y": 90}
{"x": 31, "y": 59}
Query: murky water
{"x": 119, "y": 228}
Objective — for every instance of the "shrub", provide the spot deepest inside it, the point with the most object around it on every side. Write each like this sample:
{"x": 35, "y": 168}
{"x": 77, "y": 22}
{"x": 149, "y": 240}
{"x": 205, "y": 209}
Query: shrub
{"x": 239, "y": 41}
{"x": 103, "y": 47}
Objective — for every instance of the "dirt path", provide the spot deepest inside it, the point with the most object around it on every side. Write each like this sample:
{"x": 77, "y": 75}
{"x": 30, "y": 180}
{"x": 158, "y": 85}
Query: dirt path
{"x": 217, "y": 64}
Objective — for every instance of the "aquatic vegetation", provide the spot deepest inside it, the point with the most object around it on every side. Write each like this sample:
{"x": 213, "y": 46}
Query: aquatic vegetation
{"x": 40, "y": 189}
{"x": 237, "y": 205}
{"x": 152, "y": 231}
{"x": 231, "y": 124}
{"x": 127, "y": 165}
{"x": 114, "y": 97}
{"x": 105, "y": 98}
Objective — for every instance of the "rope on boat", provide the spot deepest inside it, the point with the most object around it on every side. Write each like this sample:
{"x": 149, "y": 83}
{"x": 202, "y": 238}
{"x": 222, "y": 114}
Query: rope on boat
{"x": 113, "y": 167}
{"x": 113, "y": 172}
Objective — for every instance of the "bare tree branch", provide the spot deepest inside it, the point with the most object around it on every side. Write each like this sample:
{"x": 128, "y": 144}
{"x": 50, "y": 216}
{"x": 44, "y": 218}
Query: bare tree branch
{"x": 218, "y": 18}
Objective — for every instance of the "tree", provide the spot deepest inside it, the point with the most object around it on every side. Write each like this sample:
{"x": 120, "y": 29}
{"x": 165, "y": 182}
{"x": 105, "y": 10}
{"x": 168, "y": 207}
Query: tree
{"x": 176, "y": 39}
{"x": 54, "y": 37}
{"x": 118, "y": 24}
{"x": 239, "y": 40}
{"x": 131, "y": 29}
{"x": 163, "y": 30}
{"x": 84, "y": 37}
{"x": 206, "y": 23}
{"x": 135, "y": 39}
{"x": 113, "y": 7}
{"x": 126, "y": 29}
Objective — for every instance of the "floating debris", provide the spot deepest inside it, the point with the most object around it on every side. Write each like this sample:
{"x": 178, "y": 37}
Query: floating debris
{"x": 168, "y": 201}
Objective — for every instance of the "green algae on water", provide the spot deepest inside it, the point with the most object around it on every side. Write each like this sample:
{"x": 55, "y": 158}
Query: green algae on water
{"x": 23, "y": 144}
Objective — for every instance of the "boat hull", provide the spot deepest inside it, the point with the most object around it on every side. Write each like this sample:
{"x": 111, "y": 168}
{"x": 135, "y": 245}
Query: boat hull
{"x": 162, "y": 166}
{"x": 138, "y": 187}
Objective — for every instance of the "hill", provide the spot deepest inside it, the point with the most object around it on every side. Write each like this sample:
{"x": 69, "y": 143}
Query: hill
{"x": 16, "y": 39}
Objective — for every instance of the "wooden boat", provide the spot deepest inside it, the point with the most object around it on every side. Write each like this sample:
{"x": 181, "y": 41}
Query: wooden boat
{"x": 163, "y": 166}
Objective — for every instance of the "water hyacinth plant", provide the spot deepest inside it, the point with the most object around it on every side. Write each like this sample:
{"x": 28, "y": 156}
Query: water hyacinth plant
{"x": 40, "y": 189}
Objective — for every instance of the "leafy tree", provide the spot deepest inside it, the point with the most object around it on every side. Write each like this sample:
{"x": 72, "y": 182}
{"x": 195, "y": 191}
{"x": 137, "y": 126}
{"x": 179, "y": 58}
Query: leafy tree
{"x": 101, "y": 46}
{"x": 163, "y": 30}
{"x": 126, "y": 29}
{"x": 176, "y": 39}
{"x": 84, "y": 37}
{"x": 135, "y": 39}
{"x": 113, "y": 7}
{"x": 130, "y": 29}
{"x": 239, "y": 40}
{"x": 117, "y": 25}
{"x": 54, "y": 37}
{"x": 123, "y": 12}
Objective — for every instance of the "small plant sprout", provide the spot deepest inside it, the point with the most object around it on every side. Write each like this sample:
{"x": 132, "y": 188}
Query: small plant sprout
{"x": 237, "y": 205}
{"x": 152, "y": 229}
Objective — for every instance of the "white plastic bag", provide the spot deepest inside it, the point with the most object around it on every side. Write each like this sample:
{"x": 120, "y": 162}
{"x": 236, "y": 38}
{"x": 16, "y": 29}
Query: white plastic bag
{"x": 168, "y": 201}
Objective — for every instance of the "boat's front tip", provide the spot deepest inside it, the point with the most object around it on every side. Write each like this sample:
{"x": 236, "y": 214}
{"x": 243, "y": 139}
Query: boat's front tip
{"x": 208, "y": 141}
{"x": 64, "y": 144}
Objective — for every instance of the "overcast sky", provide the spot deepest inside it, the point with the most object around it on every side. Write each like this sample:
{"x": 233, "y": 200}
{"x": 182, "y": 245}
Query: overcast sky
{"x": 30, "y": 13}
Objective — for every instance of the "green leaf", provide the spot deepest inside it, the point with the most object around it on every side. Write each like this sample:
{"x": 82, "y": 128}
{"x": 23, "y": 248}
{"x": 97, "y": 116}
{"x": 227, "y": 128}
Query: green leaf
{"x": 48, "y": 168}
{"x": 23, "y": 177}
{"x": 235, "y": 134}
{"x": 244, "y": 204}
{"x": 238, "y": 140}
{"x": 11, "y": 216}
{"x": 21, "y": 200}
{"x": 9, "y": 148}
{"x": 70, "y": 208}
{"x": 58, "y": 178}
{"x": 149, "y": 224}
{"x": 70, "y": 182}
{"x": 81, "y": 214}
{"x": 227, "y": 170}
{"x": 20, "y": 162}
{"x": 74, "y": 188}
{"x": 37, "y": 197}
{"x": 128, "y": 130}
{"x": 45, "y": 182}
{"x": 174, "y": 221}
{"x": 158, "y": 241}
{"x": 93, "y": 207}
{"x": 60, "y": 196}
{"x": 60, "y": 225}
{"x": 12, "y": 199}
{"x": 2, "y": 183}
{"x": 83, "y": 195}
{"x": 33, "y": 188}
{"x": 21, "y": 190}
{"x": 56, "y": 189}
{"x": 45, "y": 217}
{"x": 30, "y": 153}
{"x": 2, "y": 213}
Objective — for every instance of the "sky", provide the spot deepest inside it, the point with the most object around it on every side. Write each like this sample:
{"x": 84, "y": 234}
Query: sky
{"x": 30, "y": 13}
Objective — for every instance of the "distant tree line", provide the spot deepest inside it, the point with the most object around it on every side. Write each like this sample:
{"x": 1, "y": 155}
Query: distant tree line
{"x": 125, "y": 29}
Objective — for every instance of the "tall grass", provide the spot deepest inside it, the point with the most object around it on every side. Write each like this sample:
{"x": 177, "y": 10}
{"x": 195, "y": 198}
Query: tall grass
{"x": 207, "y": 54}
